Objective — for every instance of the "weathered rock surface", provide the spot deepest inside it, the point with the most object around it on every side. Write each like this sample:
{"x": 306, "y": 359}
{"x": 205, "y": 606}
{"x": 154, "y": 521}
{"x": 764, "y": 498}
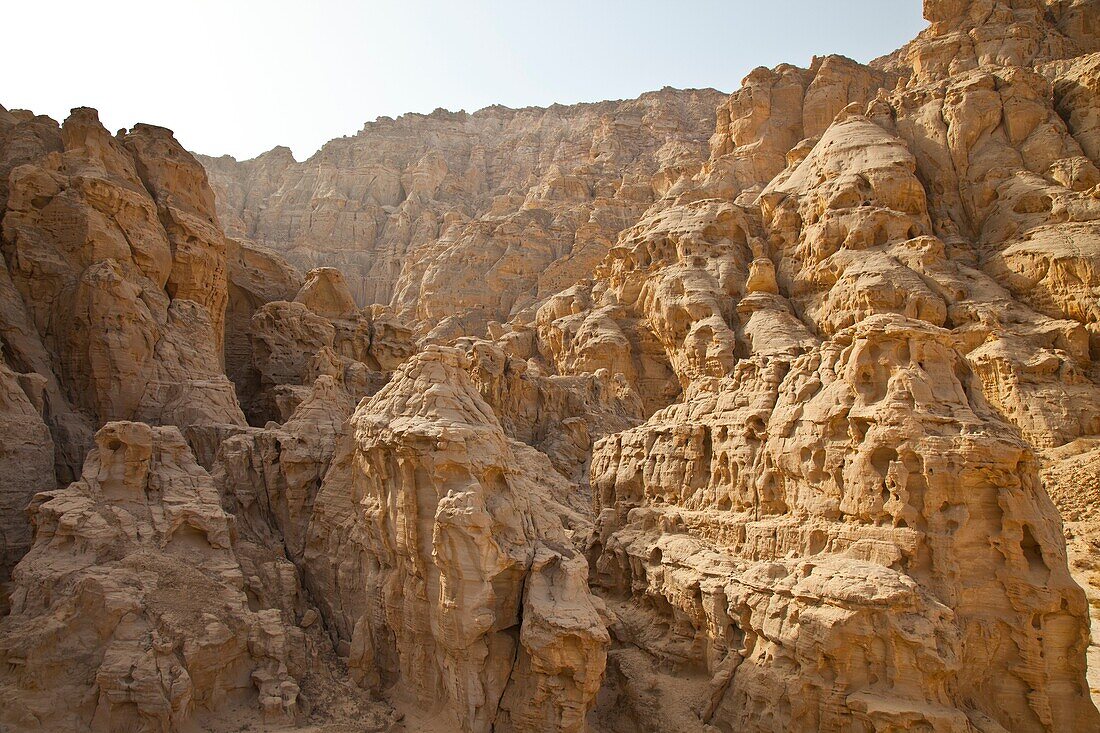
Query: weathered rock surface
{"x": 257, "y": 276}
{"x": 131, "y": 317}
{"x": 922, "y": 265}
{"x": 559, "y": 415}
{"x": 26, "y": 465}
{"x": 767, "y": 524}
{"x": 130, "y": 610}
{"x": 441, "y": 556}
{"x": 463, "y": 217}
{"x": 321, "y": 331}
{"x": 270, "y": 476}
{"x": 112, "y": 298}
{"x": 1071, "y": 473}
{"x": 693, "y": 413}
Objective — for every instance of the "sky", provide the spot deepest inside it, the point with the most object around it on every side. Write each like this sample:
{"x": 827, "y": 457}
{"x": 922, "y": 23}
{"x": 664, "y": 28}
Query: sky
{"x": 239, "y": 77}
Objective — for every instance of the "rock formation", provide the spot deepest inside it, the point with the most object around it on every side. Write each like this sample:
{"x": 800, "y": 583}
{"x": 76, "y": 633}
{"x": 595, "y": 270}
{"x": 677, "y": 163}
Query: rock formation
{"x": 257, "y": 277}
{"x": 455, "y": 219}
{"x": 26, "y": 464}
{"x": 691, "y": 413}
{"x": 320, "y": 331}
{"x": 113, "y": 292}
{"x": 131, "y": 605}
{"x": 122, "y": 276}
{"x": 442, "y": 556}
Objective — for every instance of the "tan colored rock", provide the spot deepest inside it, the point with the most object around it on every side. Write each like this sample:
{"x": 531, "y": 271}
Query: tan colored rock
{"x": 141, "y": 546}
{"x": 288, "y": 336}
{"x": 292, "y": 343}
{"x": 95, "y": 265}
{"x": 889, "y": 224}
{"x": 849, "y": 222}
{"x": 185, "y": 206}
{"x": 744, "y": 528}
{"x": 1076, "y": 92}
{"x": 577, "y": 334}
{"x": 26, "y": 465}
{"x": 775, "y": 109}
{"x": 573, "y": 424}
{"x": 326, "y": 293}
{"x": 112, "y": 297}
{"x": 499, "y": 209}
{"x": 1071, "y": 474}
{"x": 391, "y": 340}
{"x": 559, "y": 415}
{"x": 25, "y": 353}
{"x": 965, "y": 34}
{"x": 440, "y": 559}
{"x": 285, "y": 336}
{"x": 270, "y": 477}
{"x": 257, "y": 276}
{"x": 261, "y": 274}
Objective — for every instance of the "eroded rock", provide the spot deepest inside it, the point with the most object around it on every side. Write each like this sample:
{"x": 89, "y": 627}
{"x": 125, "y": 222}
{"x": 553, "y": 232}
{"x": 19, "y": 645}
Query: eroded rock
{"x": 446, "y": 561}
{"x": 131, "y": 604}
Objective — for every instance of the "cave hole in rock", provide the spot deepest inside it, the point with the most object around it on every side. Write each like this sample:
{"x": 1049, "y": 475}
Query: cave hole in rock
{"x": 1033, "y": 553}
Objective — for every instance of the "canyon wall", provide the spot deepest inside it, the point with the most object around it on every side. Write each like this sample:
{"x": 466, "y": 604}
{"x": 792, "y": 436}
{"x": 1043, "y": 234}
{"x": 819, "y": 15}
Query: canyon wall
{"x": 697, "y": 413}
{"x": 457, "y": 219}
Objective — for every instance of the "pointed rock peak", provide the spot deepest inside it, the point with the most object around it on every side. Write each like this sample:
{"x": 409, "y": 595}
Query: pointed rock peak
{"x": 87, "y": 142}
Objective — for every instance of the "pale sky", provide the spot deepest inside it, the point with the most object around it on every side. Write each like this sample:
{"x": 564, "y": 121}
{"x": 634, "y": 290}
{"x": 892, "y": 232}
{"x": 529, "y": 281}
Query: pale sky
{"x": 242, "y": 76}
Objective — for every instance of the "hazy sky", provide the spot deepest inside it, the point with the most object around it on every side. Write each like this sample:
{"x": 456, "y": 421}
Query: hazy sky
{"x": 241, "y": 76}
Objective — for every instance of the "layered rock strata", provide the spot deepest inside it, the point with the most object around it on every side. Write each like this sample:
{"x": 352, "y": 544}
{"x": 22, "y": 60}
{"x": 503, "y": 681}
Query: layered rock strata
{"x": 455, "y": 219}
{"x": 921, "y": 266}
{"x": 112, "y": 297}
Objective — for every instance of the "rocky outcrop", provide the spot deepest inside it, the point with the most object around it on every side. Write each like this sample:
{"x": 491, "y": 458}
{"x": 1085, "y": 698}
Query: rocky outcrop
{"x": 916, "y": 242}
{"x": 257, "y": 276}
{"x": 558, "y": 415}
{"x": 26, "y": 465}
{"x": 440, "y": 553}
{"x": 689, "y": 413}
{"x": 325, "y": 292}
{"x": 777, "y": 108}
{"x": 270, "y": 476}
{"x": 112, "y": 297}
{"x": 131, "y": 605}
{"x": 185, "y": 207}
{"x": 131, "y": 319}
{"x": 321, "y": 331}
{"x": 96, "y": 267}
{"x": 1071, "y": 473}
{"x": 762, "y": 537}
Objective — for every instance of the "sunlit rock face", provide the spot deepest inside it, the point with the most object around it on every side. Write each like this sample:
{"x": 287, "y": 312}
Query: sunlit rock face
{"x": 694, "y": 413}
{"x": 464, "y": 218}
{"x": 121, "y": 266}
{"x": 445, "y": 558}
{"x": 130, "y": 609}
{"x": 112, "y": 298}
{"x": 815, "y": 526}
{"x": 879, "y": 335}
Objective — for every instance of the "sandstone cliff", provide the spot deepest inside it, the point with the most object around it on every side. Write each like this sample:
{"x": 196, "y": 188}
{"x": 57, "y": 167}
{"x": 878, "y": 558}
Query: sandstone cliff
{"x": 444, "y": 557}
{"x": 769, "y": 411}
{"x": 130, "y": 609}
{"x": 114, "y": 293}
{"x": 466, "y": 218}
{"x": 930, "y": 248}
